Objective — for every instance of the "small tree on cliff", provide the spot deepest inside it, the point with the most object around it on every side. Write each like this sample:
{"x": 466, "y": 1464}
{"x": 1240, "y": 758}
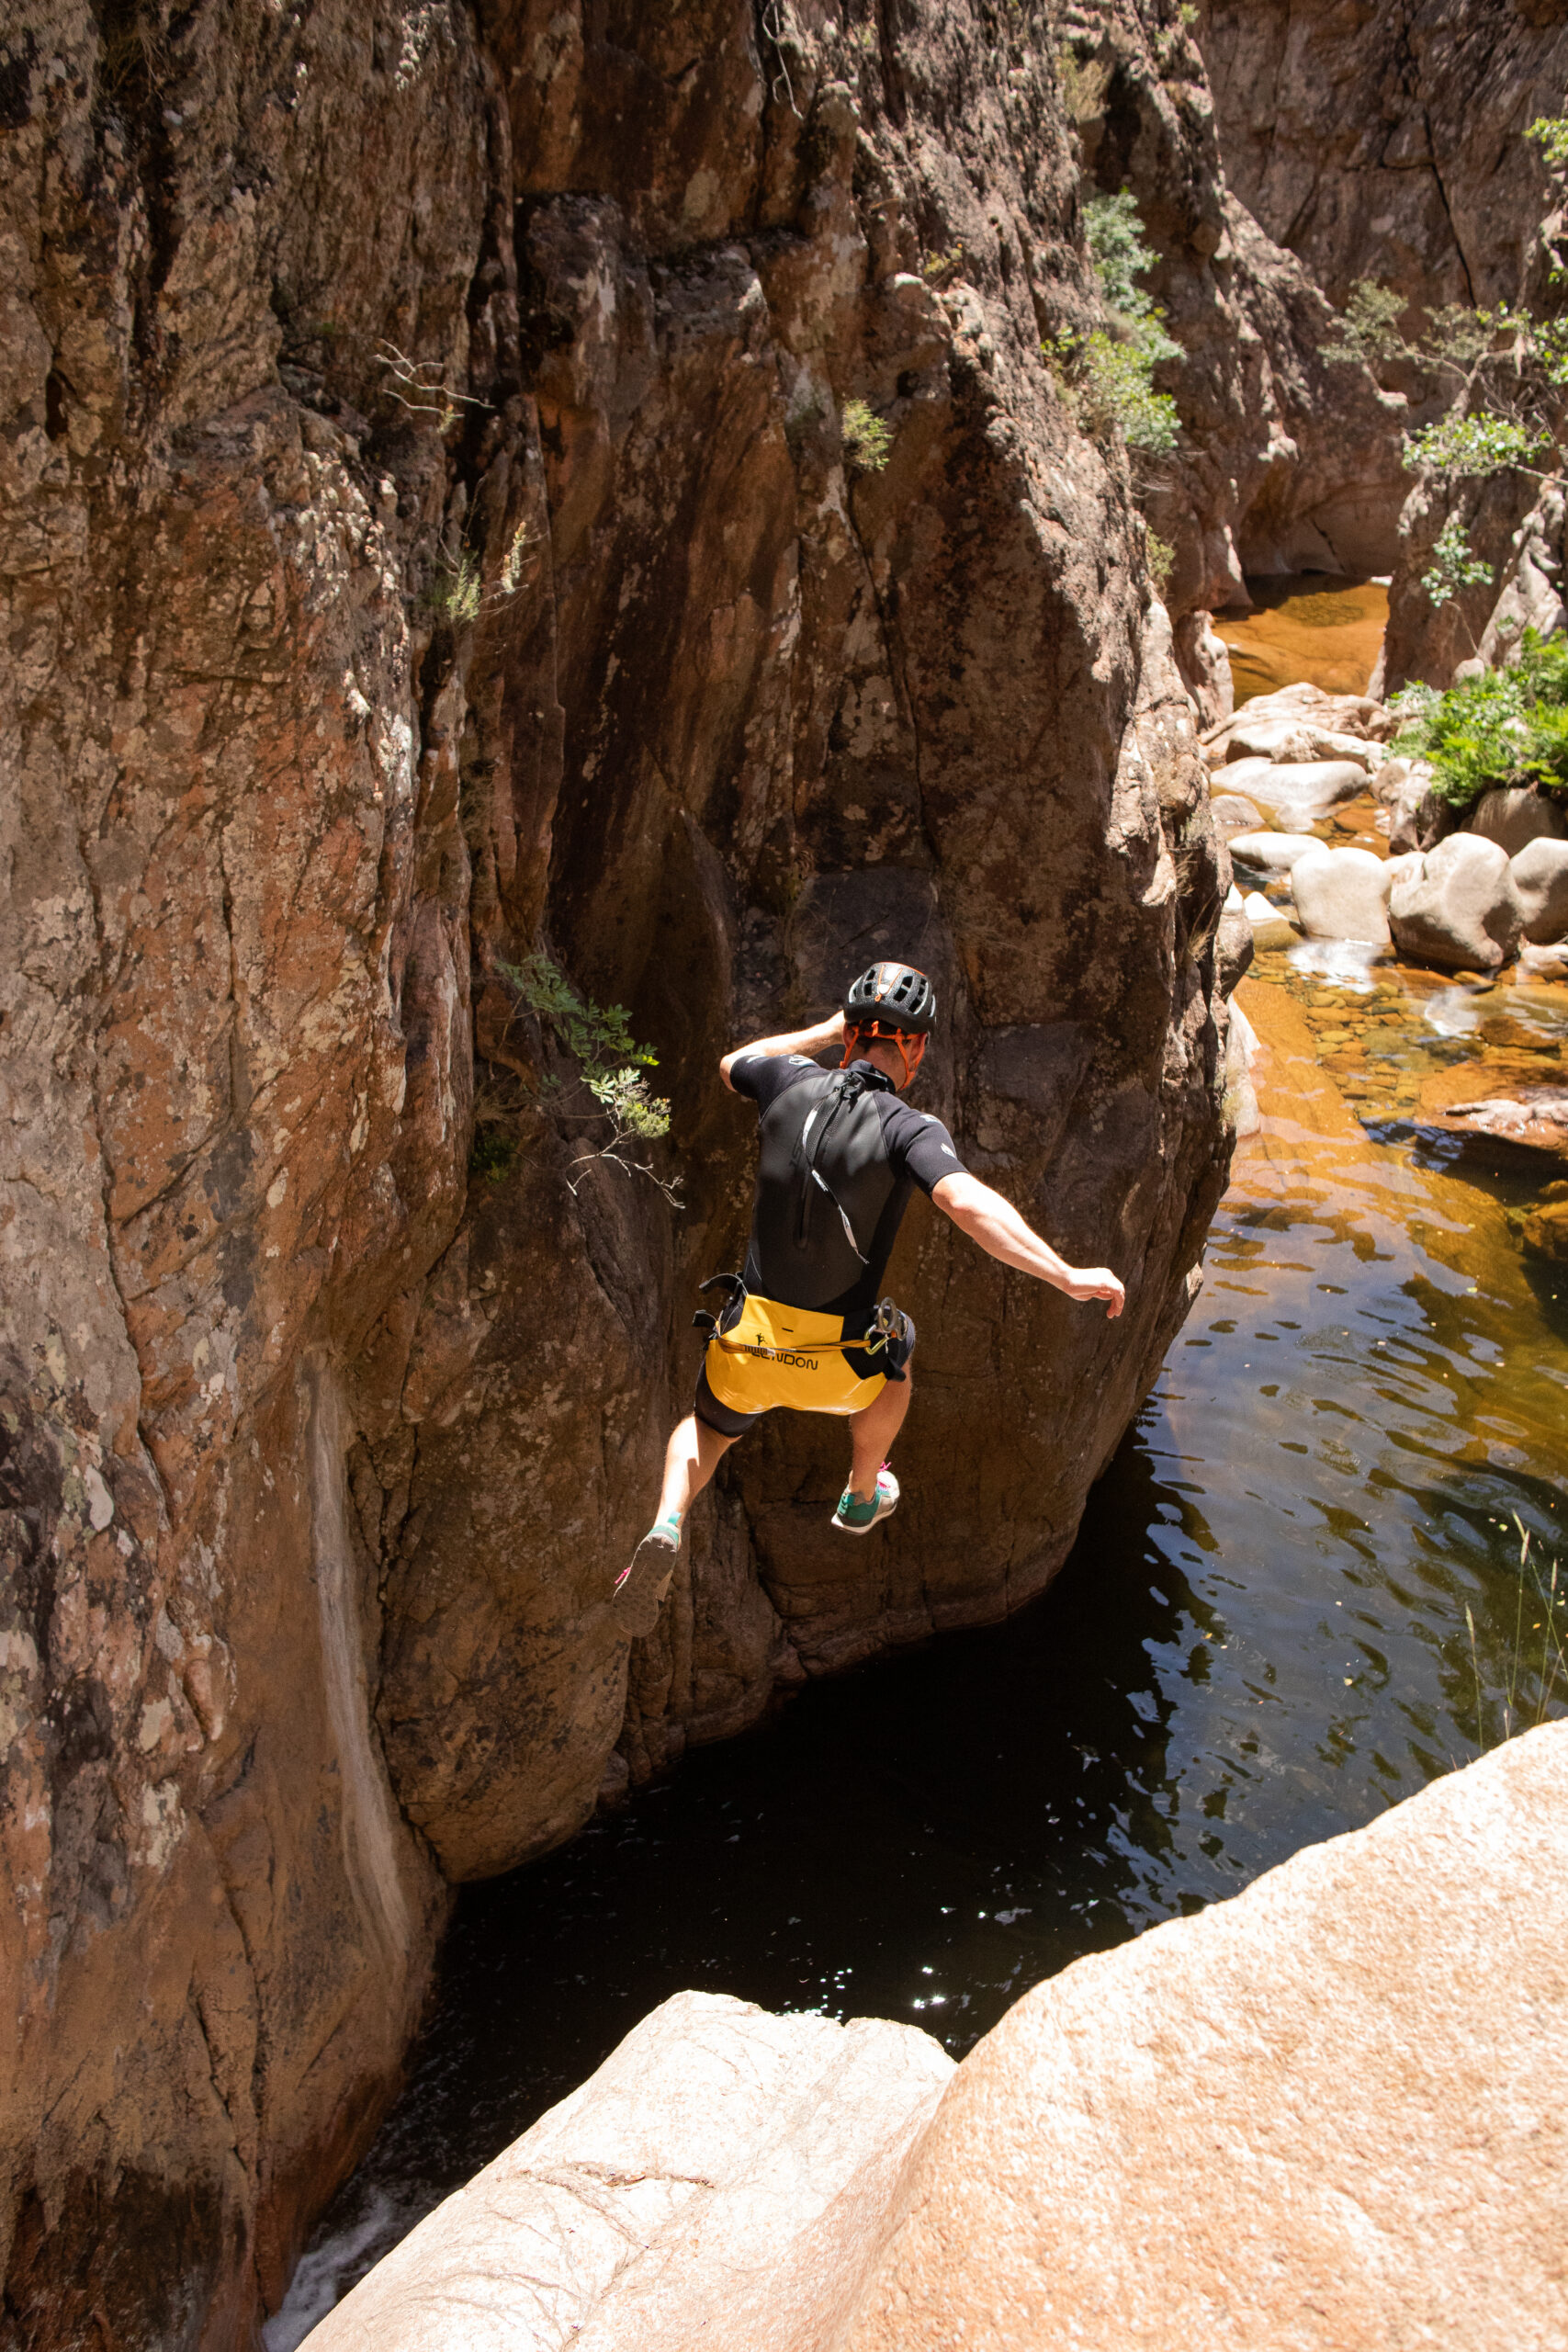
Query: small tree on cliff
{"x": 1106, "y": 375}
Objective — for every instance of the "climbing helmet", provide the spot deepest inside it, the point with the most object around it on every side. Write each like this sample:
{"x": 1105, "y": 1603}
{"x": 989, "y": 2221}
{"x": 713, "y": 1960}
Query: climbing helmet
{"x": 891, "y": 999}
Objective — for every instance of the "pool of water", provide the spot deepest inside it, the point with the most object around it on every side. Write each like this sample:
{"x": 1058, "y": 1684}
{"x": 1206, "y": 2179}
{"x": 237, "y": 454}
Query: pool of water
{"x": 1297, "y": 1596}
{"x": 1310, "y": 625}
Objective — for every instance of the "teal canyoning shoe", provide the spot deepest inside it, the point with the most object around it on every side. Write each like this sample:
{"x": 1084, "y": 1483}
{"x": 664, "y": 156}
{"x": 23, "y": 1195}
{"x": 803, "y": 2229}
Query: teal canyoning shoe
{"x": 640, "y": 1589}
{"x": 857, "y": 1518}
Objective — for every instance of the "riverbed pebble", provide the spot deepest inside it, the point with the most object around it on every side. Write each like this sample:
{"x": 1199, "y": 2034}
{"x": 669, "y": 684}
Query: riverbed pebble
{"x": 1234, "y": 813}
{"x": 1269, "y": 927}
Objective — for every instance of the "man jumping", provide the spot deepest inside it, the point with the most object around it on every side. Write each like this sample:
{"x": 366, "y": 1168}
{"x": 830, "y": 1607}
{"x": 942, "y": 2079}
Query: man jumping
{"x": 838, "y": 1152}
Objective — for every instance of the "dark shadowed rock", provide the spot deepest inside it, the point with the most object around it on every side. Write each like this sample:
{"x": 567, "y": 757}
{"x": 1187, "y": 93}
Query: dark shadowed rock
{"x": 1514, "y": 816}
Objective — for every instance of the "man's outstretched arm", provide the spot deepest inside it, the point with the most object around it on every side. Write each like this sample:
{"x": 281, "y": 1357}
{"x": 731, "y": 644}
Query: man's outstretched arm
{"x": 996, "y": 1225}
{"x": 799, "y": 1041}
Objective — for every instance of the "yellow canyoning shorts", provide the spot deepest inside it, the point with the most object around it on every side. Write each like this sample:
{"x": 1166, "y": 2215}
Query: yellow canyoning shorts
{"x": 781, "y": 1356}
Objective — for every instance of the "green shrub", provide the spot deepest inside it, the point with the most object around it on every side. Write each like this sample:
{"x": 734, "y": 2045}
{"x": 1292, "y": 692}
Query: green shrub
{"x": 1108, "y": 377}
{"x": 1506, "y": 727}
{"x": 1459, "y": 447}
{"x": 1369, "y": 328}
{"x": 1114, "y": 234}
{"x": 1160, "y": 557}
{"x": 867, "y": 441}
{"x": 1117, "y": 391}
{"x": 1083, "y": 84}
{"x": 491, "y": 1153}
{"x": 627, "y": 1116}
{"x": 455, "y": 591}
{"x": 1455, "y": 565}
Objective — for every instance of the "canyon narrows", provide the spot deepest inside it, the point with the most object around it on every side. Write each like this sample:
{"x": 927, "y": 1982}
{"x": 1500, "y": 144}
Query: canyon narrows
{"x": 433, "y": 540}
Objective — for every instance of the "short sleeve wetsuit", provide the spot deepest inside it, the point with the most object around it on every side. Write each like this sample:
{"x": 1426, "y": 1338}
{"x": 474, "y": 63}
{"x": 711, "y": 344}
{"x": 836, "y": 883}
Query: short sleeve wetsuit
{"x": 827, "y": 1249}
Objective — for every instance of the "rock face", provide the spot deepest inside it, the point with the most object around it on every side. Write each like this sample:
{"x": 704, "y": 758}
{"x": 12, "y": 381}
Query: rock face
{"x": 1458, "y": 909}
{"x": 1388, "y": 143}
{"x": 723, "y": 2176}
{"x": 1384, "y": 142}
{"x": 1329, "y": 2113}
{"x": 431, "y": 538}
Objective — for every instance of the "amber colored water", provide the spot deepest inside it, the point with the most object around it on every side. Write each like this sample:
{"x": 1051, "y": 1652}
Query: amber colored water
{"x": 1313, "y": 625}
{"x": 1263, "y": 1636}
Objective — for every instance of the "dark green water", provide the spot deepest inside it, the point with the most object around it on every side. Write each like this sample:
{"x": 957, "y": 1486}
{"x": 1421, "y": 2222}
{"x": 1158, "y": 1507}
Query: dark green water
{"x": 1260, "y": 1641}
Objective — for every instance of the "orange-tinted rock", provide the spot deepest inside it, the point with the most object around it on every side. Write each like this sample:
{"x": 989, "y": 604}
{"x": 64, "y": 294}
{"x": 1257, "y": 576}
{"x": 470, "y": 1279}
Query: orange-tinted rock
{"x": 1327, "y": 2114}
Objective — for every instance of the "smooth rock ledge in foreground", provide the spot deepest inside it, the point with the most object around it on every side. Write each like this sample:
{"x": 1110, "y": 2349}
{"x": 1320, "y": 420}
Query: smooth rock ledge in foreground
{"x": 1330, "y": 2115}
{"x": 724, "y": 2179}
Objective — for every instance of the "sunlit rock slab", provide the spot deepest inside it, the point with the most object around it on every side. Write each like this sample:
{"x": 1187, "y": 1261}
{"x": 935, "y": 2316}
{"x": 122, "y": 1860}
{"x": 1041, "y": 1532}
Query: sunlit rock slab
{"x": 724, "y": 2178}
{"x": 1329, "y": 2113}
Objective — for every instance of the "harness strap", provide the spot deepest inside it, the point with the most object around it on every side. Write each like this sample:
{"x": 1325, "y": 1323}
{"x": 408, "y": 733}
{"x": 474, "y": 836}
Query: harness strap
{"x": 889, "y": 1328}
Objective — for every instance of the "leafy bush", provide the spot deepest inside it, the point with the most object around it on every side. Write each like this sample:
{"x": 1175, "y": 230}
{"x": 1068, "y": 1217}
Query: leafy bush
{"x": 1455, "y": 565}
{"x": 1114, "y": 234}
{"x": 456, "y": 592}
{"x": 867, "y": 441}
{"x": 1160, "y": 557}
{"x": 1505, "y": 727}
{"x": 1117, "y": 391}
{"x": 598, "y": 1039}
{"x": 1083, "y": 84}
{"x": 1108, "y": 376}
{"x": 1460, "y": 446}
{"x": 1369, "y": 328}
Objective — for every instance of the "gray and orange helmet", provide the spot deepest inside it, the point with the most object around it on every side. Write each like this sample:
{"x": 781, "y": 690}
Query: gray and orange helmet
{"x": 890, "y": 1000}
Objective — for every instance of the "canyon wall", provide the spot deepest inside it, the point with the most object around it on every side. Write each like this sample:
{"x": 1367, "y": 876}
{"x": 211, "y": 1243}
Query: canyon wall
{"x": 1389, "y": 142}
{"x": 431, "y": 539}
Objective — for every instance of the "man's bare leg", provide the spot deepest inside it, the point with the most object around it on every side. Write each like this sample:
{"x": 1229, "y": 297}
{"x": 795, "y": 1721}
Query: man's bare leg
{"x": 872, "y": 1433}
{"x": 692, "y": 1455}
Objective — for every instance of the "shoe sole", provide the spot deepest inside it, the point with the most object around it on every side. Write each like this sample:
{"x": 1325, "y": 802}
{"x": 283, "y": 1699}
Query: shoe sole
{"x": 639, "y": 1590}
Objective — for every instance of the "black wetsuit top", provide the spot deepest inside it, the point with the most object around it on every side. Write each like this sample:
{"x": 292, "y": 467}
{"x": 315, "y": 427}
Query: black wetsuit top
{"x": 835, "y": 1165}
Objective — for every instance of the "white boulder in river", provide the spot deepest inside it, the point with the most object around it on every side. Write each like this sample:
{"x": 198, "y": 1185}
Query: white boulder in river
{"x": 1234, "y": 813}
{"x": 1271, "y": 852}
{"x": 1341, "y": 894}
{"x": 1514, "y": 816}
{"x": 1460, "y": 910}
{"x": 1327, "y": 2115}
{"x": 1300, "y": 795}
{"x": 1294, "y": 739}
{"x": 1271, "y": 928}
{"x": 1540, "y": 878}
